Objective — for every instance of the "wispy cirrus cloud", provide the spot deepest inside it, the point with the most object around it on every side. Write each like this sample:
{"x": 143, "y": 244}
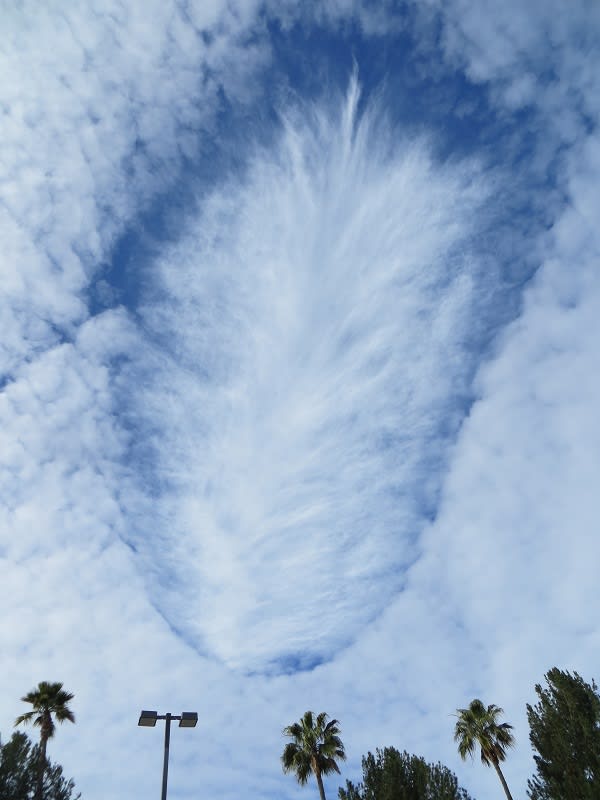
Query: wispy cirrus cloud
{"x": 317, "y": 339}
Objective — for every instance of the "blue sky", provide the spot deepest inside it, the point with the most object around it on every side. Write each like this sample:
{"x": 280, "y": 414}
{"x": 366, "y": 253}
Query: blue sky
{"x": 299, "y": 375}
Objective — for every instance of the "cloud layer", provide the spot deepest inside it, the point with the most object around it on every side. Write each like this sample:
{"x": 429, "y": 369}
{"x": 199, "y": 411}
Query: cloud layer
{"x": 97, "y": 117}
{"x": 331, "y": 422}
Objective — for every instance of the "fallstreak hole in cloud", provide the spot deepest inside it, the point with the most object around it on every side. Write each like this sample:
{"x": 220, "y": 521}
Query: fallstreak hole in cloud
{"x": 313, "y": 329}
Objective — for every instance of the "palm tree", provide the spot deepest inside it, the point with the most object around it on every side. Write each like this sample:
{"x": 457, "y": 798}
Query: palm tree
{"x": 314, "y": 748}
{"x": 49, "y": 701}
{"x": 478, "y": 725}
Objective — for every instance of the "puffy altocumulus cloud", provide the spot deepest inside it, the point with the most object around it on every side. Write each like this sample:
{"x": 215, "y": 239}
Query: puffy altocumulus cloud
{"x": 540, "y": 54}
{"x": 512, "y": 550}
{"x": 524, "y": 463}
{"x": 296, "y": 375}
{"x": 514, "y": 545}
{"x": 99, "y": 105}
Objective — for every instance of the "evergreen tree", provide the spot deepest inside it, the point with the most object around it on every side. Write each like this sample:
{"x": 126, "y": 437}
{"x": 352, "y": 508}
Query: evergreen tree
{"x": 565, "y": 735}
{"x": 19, "y": 760}
{"x": 391, "y": 775}
{"x": 16, "y": 778}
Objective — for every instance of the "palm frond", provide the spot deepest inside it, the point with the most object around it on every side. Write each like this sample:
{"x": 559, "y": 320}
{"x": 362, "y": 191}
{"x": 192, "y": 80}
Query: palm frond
{"x": 294, "y": 731}
{"x": 24, "y": 718}
{"x": 328, "y": 765}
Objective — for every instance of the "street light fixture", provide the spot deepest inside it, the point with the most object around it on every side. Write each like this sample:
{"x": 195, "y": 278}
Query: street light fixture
{"x": 148, "y": 719}
{"x": 187, "y": 719}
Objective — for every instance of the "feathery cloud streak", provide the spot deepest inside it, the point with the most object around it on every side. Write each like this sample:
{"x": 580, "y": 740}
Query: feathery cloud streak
{"x": 316, "y": 328}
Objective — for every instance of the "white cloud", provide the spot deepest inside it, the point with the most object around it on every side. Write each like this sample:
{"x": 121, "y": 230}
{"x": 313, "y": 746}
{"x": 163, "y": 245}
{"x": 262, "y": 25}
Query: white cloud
{"x": 273, "y": 384}
{"x": 98, "y": 111}
{"x": 512, "y": 552}
{"x": 510, "y": 556}
{"x": 539, "y": 54}
{"x": 317, "y": 320}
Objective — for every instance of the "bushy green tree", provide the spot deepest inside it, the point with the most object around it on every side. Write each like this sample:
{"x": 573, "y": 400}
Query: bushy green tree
{"x": 19, "y": 760}
{"x": 391, "y": 775}
{"x": 565, "y": 736}
{"x": 315, "y": 748}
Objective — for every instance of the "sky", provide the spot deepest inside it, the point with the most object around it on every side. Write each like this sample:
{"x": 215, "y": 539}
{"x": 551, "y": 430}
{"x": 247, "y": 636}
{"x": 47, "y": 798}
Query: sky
{"x": 299, "y": 376}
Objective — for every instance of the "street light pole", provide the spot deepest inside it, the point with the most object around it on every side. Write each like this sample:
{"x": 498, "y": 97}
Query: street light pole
{"x": 187, "y": 719}
{"x": 166, "y": 759}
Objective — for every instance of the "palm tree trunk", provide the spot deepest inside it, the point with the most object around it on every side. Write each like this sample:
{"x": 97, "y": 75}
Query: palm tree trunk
{"x": 41, "y": 768}
{"x": 320, "y": 784}
{"x": 502, "y": 780}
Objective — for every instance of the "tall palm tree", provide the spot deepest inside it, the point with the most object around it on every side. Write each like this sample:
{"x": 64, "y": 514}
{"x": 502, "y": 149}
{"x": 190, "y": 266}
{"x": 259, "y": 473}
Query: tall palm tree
{"x": 314, "y": 748}
{"x": 49, "y": 702}
{"x": 478, "y": 725}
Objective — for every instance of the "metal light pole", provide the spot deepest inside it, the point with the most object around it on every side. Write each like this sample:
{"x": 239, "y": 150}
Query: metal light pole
{"x": 188, "y": 719}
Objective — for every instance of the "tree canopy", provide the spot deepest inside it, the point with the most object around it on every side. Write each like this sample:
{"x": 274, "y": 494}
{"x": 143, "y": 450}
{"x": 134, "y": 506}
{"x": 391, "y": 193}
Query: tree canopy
{"x": 19, "y": 759}
{"x": 565, "y": 736}
{"x": 391, "y": 775}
